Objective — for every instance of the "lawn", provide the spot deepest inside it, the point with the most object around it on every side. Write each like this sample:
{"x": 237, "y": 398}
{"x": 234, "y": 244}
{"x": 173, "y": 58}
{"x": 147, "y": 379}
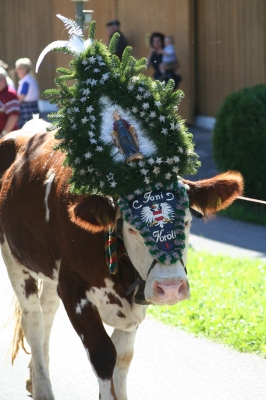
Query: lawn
{"x": 228, "y": 301}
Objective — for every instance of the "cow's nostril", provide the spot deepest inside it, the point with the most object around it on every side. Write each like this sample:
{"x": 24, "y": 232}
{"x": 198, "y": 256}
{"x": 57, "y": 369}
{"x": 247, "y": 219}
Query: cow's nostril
{"x": 159, "y": 289}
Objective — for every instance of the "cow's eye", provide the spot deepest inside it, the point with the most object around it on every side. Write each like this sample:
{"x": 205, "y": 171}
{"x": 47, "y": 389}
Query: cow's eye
{"x": 186, "y": 223}
{"x": 132, "y": 231}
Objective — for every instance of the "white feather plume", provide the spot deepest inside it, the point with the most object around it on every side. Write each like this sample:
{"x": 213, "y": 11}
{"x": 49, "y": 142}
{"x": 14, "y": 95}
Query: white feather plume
{"x": 75, "y": 44}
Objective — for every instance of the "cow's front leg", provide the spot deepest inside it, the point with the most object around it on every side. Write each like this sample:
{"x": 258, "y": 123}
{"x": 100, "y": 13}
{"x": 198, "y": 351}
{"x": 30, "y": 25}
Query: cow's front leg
{"x": 124, "y": 344}
{"x": 86, "y": 320}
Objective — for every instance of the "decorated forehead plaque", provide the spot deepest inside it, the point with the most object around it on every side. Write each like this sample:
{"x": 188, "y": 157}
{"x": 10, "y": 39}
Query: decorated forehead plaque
{"x": 157, "y": 211}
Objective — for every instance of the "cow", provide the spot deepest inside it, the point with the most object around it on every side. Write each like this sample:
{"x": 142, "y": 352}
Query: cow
{"x": 52, "y": 236}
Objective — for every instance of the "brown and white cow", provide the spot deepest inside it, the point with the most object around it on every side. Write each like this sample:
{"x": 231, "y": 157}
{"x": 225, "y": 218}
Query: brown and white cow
{"x": 45, "y": 234}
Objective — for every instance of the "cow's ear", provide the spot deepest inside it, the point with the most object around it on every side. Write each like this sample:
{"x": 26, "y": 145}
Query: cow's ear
{"x": 93, "y": 213}
{"x": 214, "y": 194}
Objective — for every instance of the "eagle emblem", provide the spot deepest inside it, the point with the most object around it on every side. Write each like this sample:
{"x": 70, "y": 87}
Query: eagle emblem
{"x": 157, "y": 214}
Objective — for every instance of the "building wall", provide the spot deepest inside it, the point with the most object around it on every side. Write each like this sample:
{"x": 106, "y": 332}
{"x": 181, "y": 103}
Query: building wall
{"x": 226, "y": 52}
{"x": 231, "y": 52}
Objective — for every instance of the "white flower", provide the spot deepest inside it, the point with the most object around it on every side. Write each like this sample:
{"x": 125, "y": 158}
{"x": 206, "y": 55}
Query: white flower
{"x": 89, "y": 109}
{"x": 76, "y": 109}
{"x": 101, "y": 184}
{"x": 93, "y": 141}
{"x": 74, "y": 126}
{"x": 92, "y": 126}
{"x": 77, "y": 160}
{"x": 84, "y": 62}
{"x": 159, "y": 160}
{"x": 169, "y": 161}
{"x": 93, "y": 82}
{"x": 92, "y": 118}
{"x": 69, "y": 111}
{"x": 144, "y": 171}
{"x": 72, "y": 119}
{"x": 141, "y": 163}
{"x": 110, "y": 176}
{"x": 172, "y": 126}
{"x": 101, "y": 63}
{"x": 134, "y": 110}
{"x": 90, "y": 169}
{"x": 88, "y": 81}
{"x": 84, "y": 120}
{"x": 139, "y": 97}
{"x": 156, "y": 170}
{"x": 87, "y": 156}
{"x": 164, "y": 131}
{"x": 176, "y": 159}
{"x": 180, "y": 150}
{"x": 153, "y": 114}
{"x": 99, "y": 148}
{"x": 176, "y": 169}
{"x": 92, "y": 60}
{"x": 162, "y": 118}
{"x": 145, "y": 106}
{"x": 82, "y": 171}
{"x": 147, "y": 180}
{"x": 130, "y": 87}
{"x": 113, "y": 184}
{"x": 151, "y": 124}
{"x": 146, "y": 94}
{"x": 158, "y": 103}
{"x": 142, "y": 113}
{"x": 82, "y": 99}
{"x": 105, "y": 76}
{"x": 99, "y": 58}
{"x": 168, "y": 176}
{"x": 151, "y": 161}
{"x": 91, "y": 134}
{"x": 96, "y": 70}
{"x": 140, "y": 89}
{"x": 86, "y": 91}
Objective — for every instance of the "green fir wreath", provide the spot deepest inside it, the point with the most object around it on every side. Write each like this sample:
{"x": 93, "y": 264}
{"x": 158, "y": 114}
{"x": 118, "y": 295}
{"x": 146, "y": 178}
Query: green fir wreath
{"x": 103, "y": 84}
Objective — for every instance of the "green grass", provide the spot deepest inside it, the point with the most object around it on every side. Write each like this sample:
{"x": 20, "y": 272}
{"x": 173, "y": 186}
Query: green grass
{"x": 228, "y": 302}
{"x": 246, "y": 211}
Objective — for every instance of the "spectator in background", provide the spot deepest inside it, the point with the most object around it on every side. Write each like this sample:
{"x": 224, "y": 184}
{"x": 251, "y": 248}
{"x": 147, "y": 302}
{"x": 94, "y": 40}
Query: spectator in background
{"x": 28, "y": 91}
{"x": 8, "y": 79}
{"x": 9, "y": 106}
{"x": 169, "y": 58}
{"x": 112, "y": 27}
{"x": 155, "y": 54}
{"x": 159, "y": 57}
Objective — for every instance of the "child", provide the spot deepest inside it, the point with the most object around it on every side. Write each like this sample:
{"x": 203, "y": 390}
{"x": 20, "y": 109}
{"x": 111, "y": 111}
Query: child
{"x": 169, "y": 59}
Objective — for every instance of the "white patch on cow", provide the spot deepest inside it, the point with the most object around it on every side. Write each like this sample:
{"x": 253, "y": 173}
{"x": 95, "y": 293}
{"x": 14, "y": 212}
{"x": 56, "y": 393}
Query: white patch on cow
{"x": 48, "y": 182}
{"x": 32, "y": 323}
{"x": 81, "y": 305}
{"x": 82, "y": 338}
{"x": 35, "y": 125}
{"x": 105, "y": 389}
{"x": 146, "y": 146}
{"x": 172, "y": 278}
{"x": 109, "y": 312}
{"x": 124, "y": 344}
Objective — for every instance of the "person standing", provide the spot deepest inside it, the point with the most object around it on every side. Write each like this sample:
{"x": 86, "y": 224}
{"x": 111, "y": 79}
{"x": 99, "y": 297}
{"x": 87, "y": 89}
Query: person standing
{"x": 9, "y": 106}
{"x": 28, "y": 91}
{"x": 155, "y": 54}
{"x": 112, "y": 27}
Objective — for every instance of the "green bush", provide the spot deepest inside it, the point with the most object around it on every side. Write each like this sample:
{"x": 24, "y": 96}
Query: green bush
{"x": 239, "y": 138}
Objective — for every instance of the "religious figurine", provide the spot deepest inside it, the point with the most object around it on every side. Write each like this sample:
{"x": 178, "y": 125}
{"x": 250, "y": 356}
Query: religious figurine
{"x": 125, "y": 138}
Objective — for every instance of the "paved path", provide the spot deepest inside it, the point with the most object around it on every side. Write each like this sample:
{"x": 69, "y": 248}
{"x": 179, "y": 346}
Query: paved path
{"x": 168, "y": 364}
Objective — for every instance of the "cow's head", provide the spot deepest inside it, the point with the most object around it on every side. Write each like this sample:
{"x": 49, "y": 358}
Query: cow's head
{"x": 165, "y": 284}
